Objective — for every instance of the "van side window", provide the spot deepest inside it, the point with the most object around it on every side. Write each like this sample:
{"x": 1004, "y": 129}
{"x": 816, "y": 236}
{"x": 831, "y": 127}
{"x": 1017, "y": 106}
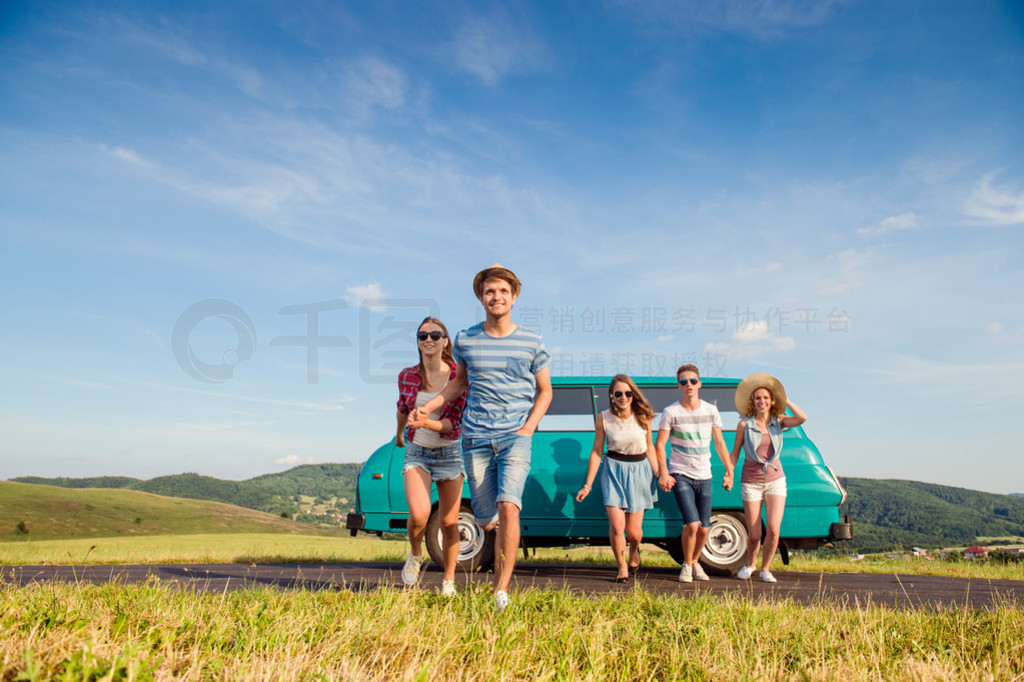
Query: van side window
{"x": 572, "y": 409}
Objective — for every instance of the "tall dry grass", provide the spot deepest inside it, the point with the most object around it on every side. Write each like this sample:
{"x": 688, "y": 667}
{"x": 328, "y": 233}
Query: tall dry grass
{"x": 157, "y": 632}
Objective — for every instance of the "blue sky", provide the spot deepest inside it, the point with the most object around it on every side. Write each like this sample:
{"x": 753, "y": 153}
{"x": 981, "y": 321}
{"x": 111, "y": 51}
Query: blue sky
{"x": 829, "y": 191}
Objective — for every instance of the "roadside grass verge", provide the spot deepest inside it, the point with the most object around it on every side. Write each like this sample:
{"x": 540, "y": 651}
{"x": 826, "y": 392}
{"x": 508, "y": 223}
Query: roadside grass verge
{"x": 278, "y": 548}
{"x": 153, "y": 631}
{"x": 218, "y": 548}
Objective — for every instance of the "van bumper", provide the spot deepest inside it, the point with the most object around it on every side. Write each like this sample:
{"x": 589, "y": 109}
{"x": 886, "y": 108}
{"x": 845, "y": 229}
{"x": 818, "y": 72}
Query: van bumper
{"x": 357, "y": 522}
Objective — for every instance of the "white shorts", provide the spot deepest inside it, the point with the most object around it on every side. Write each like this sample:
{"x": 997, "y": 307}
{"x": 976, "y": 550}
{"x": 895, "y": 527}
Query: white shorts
{"x": 755, "y": 492}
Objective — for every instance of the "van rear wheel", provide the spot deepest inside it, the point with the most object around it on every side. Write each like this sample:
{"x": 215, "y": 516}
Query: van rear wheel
{"x": 726, "y": 549}
{"x": 476, "y": 546}
{"x": 725, "y": 552}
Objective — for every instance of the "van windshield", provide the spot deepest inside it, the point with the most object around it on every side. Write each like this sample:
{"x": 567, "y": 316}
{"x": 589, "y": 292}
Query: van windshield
{"x": 661, "y": 397}
{"x": 573, "y": 407}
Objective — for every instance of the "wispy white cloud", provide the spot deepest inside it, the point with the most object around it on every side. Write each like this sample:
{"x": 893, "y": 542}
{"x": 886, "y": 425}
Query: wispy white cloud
{"x": 372, "y": 82}
{"x": 169, "y": 41}
{"x": 292, "y": 460}
{"x": 751, "y": 340}
{"x": 845, "y": 272}
{"x": 371, "y": 293}
{"x": 1001, "y": 380}
{"x": 490, "y": 48}
{"x": 896, "y": 223}
{"x": 761, "y": 18}
{"x": 991, "y": 206}
{"x": 224, "y": 426}
{"x": 767, "y": 268}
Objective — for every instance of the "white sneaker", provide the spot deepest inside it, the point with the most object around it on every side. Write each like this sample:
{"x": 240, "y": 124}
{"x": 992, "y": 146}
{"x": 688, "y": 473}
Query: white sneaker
{"x": 698, "y": 572}
{"x": 744, "y": 573}
{"x": 411, "y": 569}
{"x": 501, "y": 600}
{"x": 686, "y": 574}
{"x": 448, "y": 589}
{"x": 767, "y": 577}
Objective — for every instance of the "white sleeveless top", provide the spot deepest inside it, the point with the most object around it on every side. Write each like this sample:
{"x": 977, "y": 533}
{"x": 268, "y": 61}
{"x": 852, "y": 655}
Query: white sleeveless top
{"x": 625, "y": 436}
{"x": 426, "y": 438}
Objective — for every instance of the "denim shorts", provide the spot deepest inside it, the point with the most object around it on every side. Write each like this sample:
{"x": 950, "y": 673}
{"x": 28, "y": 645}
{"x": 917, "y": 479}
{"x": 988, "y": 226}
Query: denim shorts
{"x": 694, "y": 499}
{"x": 496, "y": 469}
{"x": 755, "y": 492}
{"x": 443, "y": 463}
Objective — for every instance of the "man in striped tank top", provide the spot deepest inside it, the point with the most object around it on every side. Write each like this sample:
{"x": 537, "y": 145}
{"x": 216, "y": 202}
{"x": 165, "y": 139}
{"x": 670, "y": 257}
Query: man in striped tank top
{"x": 504, "y": 370}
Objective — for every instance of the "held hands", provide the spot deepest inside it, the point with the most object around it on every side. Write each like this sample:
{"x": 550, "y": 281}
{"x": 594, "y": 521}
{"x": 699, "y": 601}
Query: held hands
{"x": 417, "y": 418}
{"x": 727, "y": 480}
{"x": 666, "y": 483}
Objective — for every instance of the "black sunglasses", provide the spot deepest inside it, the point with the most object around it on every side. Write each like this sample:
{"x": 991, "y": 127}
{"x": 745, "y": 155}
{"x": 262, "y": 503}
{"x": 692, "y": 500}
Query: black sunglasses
{"x": 435, "y": 335}
{"x": 693, "y": 381}
{"x": 619, "y": 394}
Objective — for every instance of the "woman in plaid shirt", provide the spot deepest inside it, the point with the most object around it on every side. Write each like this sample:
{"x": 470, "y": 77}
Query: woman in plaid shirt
{"x": 434, "y": 453}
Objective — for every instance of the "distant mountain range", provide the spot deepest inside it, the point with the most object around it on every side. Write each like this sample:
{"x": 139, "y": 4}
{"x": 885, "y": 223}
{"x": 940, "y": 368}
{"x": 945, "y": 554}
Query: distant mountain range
{"x": 887, "y": 514}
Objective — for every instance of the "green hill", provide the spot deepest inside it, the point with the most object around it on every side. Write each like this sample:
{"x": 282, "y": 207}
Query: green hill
{"x": 316, "y": 493}
{"x": 892, "y": 514}
{"x": 37, "y": 512}
{"x": 887, "y": 514}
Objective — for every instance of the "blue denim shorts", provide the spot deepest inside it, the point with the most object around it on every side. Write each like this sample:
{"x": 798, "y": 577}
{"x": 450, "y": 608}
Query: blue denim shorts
{"x": 443, "y": 464}
{"x": 496, "y": 469}
{"x": 694, "y": 499}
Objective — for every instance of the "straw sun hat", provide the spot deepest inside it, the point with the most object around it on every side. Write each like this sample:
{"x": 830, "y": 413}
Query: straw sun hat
{"x": 753, "y": 382}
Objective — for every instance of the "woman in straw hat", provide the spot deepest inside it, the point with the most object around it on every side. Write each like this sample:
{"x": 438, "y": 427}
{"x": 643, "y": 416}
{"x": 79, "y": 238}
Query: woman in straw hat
{"x": 761, "y": 399}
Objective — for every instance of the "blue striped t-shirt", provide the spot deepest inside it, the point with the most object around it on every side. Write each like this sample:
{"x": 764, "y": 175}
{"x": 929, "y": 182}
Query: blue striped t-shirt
{"x": 501, "y": 384}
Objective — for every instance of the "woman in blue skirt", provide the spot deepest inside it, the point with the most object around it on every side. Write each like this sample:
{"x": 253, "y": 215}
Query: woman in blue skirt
{"x": 629, "y": 479}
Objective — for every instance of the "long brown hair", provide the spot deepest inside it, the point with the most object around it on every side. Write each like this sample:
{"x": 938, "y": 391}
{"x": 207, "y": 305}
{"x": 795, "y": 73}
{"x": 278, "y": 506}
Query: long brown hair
{"x": 640, "y": 407}
{"x": 446, "y": 352}
{"x": 777, "y": 409}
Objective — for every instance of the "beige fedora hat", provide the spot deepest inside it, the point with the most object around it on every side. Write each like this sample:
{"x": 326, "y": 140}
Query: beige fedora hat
{"x": 753, "y": 382}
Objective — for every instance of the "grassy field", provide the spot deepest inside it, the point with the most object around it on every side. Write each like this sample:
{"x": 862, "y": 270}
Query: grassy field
{"x": 155, "y": 632}
{"x": 41, "y": 512}
{"x": 287, "y": 548}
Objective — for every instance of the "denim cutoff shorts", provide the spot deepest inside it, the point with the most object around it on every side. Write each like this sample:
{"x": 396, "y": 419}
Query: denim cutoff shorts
{"x": 694, "y": 499}
{"x": 443, "y": 463}
{"x": 496, "y": 469}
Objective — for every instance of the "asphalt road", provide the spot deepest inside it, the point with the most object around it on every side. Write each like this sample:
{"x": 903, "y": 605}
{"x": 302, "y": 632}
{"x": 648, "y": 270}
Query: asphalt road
{"x": 846, "y": 589}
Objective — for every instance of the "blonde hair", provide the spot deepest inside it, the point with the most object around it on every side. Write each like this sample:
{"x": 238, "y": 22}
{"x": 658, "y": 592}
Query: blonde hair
{"x": 642, "y": 411}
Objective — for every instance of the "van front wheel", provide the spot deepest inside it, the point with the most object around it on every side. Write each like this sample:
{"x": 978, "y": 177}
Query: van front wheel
{"x": 476, "y": 546}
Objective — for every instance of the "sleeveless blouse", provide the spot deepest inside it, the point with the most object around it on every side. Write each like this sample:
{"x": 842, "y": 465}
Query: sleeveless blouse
{"x": 624, "y": 435}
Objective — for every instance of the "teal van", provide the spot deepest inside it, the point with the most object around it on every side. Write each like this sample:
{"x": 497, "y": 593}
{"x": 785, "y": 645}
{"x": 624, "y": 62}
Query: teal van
{"x": 551, "y": 517}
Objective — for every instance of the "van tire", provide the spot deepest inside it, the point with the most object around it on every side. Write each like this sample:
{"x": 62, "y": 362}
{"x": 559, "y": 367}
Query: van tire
{"x": 476, "y": 545}
{"x": 725, "y": 552}
{"x": 726, "y": 549}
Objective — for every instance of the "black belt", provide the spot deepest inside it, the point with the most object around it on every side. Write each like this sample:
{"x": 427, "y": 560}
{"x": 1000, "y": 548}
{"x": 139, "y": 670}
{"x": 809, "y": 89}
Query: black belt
{"x": 626, "y": 458}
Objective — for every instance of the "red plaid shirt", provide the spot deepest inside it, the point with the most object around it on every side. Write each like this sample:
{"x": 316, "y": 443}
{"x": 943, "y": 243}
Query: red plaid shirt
{"x": 409, "y": 388}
